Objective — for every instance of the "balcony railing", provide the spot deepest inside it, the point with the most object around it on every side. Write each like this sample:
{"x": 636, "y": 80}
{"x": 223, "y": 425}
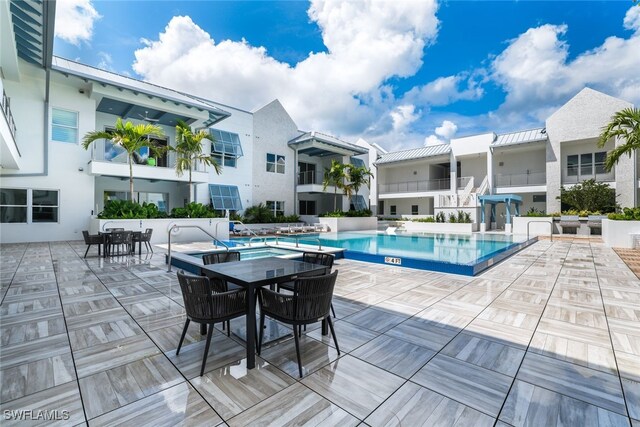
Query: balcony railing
{"x": 104, "y": 151}
{"x": 309, "y": 177}
{"x": 520, "y": 179}
{"x": 6, "y": 109}
{"x": 579, "y": 177}
{"x": 416, "y": 186}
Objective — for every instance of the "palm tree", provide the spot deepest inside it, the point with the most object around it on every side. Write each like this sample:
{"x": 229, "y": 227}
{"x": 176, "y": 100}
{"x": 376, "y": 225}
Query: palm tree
{"x": 131, "y": 138}
{"x": 189, "y": 150}
{"x": 624, "y": 125}
{"x": 359, "y": 176}
{"x": 335, "y": 176}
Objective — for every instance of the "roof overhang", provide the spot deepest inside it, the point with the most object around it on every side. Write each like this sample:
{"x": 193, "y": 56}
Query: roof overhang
{"x": 317, "y": 146}
{"x": 494, "y": 199}
{"x": 33, "y": 29}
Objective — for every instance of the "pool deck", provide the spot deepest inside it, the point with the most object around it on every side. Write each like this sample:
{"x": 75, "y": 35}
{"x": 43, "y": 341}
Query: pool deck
{"x": 550, "y": 336}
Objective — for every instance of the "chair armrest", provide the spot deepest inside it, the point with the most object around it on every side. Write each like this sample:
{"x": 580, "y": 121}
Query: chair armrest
{"x": 276, "y": 303}
{"x": 229, "y": 303}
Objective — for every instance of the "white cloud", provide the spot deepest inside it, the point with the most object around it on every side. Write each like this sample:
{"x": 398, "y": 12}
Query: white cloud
{"x": 443, "y": 134}
{"x": 446, "y": 90}
{"x": 403, "y": 115}
{"x": 74, "y": 20}
{"x": 342, "y": 90}
{"x": 538, "y": 76}
{"x": 106, "y": 61}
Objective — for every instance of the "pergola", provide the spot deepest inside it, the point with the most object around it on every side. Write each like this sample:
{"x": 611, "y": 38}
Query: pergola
{"x": 494, "y": 199}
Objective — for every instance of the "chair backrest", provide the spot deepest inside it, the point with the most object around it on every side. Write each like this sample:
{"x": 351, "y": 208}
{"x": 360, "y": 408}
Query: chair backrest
{"x": 220, "y": 257}
{"x": 146, "y": 236}
{"x": 318, "y": 258}
{"x": 120, "y": 237}
{"x": 572, "y": 218}
{"x": 85, "y": 235}
{"x": 312, "y": 296}
{"x": 197, "y": 296}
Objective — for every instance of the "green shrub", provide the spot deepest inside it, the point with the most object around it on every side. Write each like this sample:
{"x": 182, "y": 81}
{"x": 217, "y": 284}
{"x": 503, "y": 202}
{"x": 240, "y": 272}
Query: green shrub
{"x": 258, "y": 214}
{"x": 627, "y": 214}
{"x": 440, "y": 217}
{"x": 351, "y": 214}
{"x": 193, "y": 210}
{"x": 533, "y": 212}
{"x": 287, "y": 218}
{"x": 453, "y": 218}
{"x": 589, "y": 195}
{"x": 427, "y": 219}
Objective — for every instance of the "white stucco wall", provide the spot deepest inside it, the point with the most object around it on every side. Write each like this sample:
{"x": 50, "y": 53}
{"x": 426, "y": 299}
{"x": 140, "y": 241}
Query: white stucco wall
{"x": 273, "y": 128}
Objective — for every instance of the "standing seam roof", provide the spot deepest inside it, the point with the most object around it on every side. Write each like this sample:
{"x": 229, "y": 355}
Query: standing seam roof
{"x": 415, "y": 153}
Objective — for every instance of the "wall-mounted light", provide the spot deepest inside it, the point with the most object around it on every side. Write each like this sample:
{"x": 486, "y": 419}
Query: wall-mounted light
{"x": 80, "y": 169}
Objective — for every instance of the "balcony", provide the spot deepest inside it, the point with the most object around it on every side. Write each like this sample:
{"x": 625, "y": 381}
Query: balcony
{"x": 309, "y": 177}
{"x": 520, "y": 179}
{"x": 9, "y": 151}
{"x": 443, "y": 184}
{"x": 311, "y": 182}
{"x": 577, "y": 177}
{"x": 110, "y": 160}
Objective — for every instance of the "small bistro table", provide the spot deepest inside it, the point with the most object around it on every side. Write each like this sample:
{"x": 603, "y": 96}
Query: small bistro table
{"x": 252, "y": 274}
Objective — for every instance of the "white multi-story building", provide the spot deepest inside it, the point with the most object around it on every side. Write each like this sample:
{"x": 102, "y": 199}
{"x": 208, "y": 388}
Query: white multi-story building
{"x": 51, "y": 186}
{"x": 531, "y": 165}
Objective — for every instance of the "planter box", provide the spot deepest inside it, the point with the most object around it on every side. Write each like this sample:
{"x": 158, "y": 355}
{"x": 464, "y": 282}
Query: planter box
{"x": 619, "y": 234}
{"x": 350, "y": 224}
{"x": 540, "y": 226}
{"x": 439, "y": 227}
{"x": 219, "y": 227}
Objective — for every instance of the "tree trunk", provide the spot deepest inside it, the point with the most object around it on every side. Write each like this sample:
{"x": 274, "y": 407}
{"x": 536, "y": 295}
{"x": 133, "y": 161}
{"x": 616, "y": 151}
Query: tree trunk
{"x": 335, "y": 198}
{"x": 130, "y": 178}
{"x": 190, "y": 188}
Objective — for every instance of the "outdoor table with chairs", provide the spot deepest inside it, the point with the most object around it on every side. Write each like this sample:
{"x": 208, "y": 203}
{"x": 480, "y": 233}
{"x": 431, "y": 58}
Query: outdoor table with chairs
{"x": 208, "y": 299}
{"x": 115, "y": 240}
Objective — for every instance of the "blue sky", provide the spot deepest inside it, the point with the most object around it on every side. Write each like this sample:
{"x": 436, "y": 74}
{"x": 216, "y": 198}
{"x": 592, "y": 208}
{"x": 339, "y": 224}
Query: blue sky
{"x": 400, "y": 74}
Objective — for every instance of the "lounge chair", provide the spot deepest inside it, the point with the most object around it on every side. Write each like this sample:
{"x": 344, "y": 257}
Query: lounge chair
{"x": 296, "y": 228}
{"x": 308, "y": 228}
{"x": 569, "y": 221}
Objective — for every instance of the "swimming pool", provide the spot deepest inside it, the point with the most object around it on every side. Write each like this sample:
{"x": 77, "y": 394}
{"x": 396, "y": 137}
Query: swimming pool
{"x": 466, "y": 254}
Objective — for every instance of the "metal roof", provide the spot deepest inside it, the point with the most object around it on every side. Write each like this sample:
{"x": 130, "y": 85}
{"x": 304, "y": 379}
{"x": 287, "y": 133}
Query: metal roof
{"x": 33, "y": 22}
{"x": 521, "y": 137}
{"x": 105, "y": 78}
{"x": 415, "y": 153}
{"x": 326, "y": 139}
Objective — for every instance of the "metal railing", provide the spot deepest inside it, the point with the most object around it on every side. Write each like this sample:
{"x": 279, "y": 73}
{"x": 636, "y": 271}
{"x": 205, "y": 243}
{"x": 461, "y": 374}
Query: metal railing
{"x": 463, "y": 181}
{"x": 416, "y": 186}
{"x": 105, "y": 151}
{"x": 579, "y": 177}
{"x": 309, "y": 177}
{"x": 6, "y": 109}
{"x": 297, "y": 238}
{"x": 520, "y": 179}
{"x": 176, "y": 227}
{"x": 237, "y": 221}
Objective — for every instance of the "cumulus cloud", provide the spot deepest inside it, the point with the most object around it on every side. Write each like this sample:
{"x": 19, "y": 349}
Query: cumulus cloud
{"x": 341, "y": 90}
{"x": 446, "y": 90}
{"x": 403, "y": 115}
{"x": 443, "y": 134}
{"x": 106, "y": 61}
{"x": 538, "y": 77}
{"x": 74, "y": 20}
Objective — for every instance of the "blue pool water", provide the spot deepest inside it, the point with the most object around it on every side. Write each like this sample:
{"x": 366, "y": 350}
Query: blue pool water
{"x": 451, "y": 253}
{"x": 255, "y": 253}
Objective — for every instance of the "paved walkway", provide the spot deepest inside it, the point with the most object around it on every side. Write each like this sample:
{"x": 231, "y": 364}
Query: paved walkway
{"x": 551, "y": 336}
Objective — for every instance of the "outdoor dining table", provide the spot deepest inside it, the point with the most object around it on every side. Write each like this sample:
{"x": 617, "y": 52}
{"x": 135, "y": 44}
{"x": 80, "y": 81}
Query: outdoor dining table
{"x": 107, "y": 236}
{"x": 252, "y": 274}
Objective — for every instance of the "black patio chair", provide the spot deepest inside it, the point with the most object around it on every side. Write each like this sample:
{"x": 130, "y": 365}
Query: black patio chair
{"x": 309, "y": 303}
{"x": 92, "y": 239}
{"x": 313, "y": 258}
{"x": 141, "y": 238}
{"x": 119, "y": 240}
{"x": 207, "y": 302}
{"x": 219, "y": 258}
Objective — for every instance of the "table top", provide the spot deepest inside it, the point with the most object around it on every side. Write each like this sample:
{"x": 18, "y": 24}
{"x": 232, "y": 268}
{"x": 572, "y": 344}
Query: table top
{"x": 261, "y": 271}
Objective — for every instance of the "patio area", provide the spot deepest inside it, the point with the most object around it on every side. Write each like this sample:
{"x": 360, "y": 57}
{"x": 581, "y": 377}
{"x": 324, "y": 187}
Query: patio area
{"x": 551, "y": 336}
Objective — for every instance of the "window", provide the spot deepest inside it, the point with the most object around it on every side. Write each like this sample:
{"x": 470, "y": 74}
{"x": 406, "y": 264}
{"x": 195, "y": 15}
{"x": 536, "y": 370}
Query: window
{"x": 392, "y": 210}
{"x": 226, "y": 147}
{"x": 599, "y": 161}
{"x": 13, "y": 205}
{"x": 44, "y": 206}
{"x": 225, "y": 197}
{"x": 357, "y": 162}
{"x": 414, "y": 210}
{"x": 275, "y": 163}
{"x": 64, "y": 126}
{"x": 276, "y": 207}
{"x": 586, "y": 164}
{"x": 307, "y": 207}
{"x": 572, "y": 165}
{"x": 381, "y": 207}
{"x": 161, "y": 200}
{"x": 28, "y": 206}
{"x": 358, "y": 203}
{"x": 539, "y": 198}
